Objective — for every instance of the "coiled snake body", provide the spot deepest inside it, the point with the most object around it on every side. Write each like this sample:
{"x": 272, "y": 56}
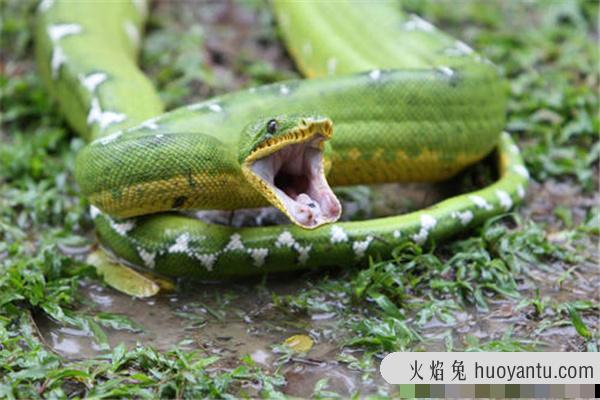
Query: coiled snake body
{"x": 407, "y": 103}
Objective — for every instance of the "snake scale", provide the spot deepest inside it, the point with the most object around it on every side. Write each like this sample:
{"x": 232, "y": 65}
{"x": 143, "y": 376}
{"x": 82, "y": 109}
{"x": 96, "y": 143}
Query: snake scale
{"x": 390, "y": 98}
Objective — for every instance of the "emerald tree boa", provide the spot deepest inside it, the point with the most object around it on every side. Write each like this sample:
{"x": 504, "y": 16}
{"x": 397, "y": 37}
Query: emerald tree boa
{"x": 389, "y": 98}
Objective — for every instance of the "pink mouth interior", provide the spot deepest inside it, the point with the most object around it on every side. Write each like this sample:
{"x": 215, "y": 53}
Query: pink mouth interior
{"x": 295, "y": 174}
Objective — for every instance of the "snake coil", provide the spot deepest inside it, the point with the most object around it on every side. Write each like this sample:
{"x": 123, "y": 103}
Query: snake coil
{"x": 407, "y": 103}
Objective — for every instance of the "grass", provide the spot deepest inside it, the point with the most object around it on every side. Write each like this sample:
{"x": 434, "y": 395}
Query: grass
{"x": 548, "y": 53}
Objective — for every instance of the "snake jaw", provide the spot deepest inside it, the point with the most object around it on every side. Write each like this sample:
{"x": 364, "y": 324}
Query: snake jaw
{"x": 289, "y": 172}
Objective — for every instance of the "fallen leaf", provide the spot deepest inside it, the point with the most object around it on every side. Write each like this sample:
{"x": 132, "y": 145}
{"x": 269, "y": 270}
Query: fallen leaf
{"x": 299, "y": 343}
{"x": 122, "y": 278}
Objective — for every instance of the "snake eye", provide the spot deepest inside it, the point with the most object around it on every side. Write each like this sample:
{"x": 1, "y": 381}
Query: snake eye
{"x": 271, "y": 126}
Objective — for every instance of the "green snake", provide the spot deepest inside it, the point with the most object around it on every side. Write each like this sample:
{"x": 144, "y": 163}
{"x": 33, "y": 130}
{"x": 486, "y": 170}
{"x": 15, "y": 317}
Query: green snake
{"x": 390, "y": 98}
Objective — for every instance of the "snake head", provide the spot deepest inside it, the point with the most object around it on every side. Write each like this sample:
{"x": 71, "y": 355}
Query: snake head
{"x": 282, "y": 158}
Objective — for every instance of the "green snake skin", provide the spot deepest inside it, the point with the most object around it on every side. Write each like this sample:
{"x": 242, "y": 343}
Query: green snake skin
{"x": 407, "y": 102}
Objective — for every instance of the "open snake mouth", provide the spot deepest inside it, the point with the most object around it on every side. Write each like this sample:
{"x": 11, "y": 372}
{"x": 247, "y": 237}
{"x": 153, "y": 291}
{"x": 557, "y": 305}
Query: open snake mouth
{"x": 289, "y": 171}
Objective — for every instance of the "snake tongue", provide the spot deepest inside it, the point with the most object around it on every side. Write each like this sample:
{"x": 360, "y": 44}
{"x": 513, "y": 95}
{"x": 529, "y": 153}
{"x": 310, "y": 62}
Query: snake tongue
{"x": 295, "y": 174}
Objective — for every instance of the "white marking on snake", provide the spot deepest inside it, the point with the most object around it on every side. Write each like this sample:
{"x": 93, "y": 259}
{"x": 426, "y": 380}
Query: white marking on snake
{"x": 464, "y": 217}
{"x": 132, "y": 32}
{"x": 307, "y": 49}
{"x": 427, "y": 224}
{"x": 521, "y": 170}
{"x": 104, "y": 118}
{"x": 45, "y": 5}
{"x": 463, "y": 47}
{"x": 505, "y": 200}
{"x": 416, "y": 23}
{"x": 211, "y": 106}
{"x": 520, "y": 191}
{"x": 480, "y": 202}
{"x": 181, "y": 244}
{"x": 285, "y": 240}
{"x": 93, "y": 80}
{"x": 360, "y": 247}
{"x": 108, "y": 139}
{"x": 303, "y": 252}
{"x": 375, "y": 74}
{"x": 147, "y": 256}
{"x": 235, "y": 243}
{"x": 160, "y": 135}
{"x": 122, "y": 227}
{"x": 207, "y": 260}
{"x": 397, "y": 234}
{"x": 338, "y": 235}
{"x": 258, "y": 255}
{"x": 58, "y": 59}
{"x": 215, "y": 107}
{"x": 331, "y": 66}
{"x": 514, "y": 149}
{"x": 459, "y": 49}
{"x": 59, "y": 31}
{"x": 94, "y": 212}
{"x": 150, "y": 124}
{"x": 446, "y": 70}
{"x": 483, "y": 60}
{"x": 284, "y": 90}
{"x": 196, "y": 107}
{"x": 141, "y": 6}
